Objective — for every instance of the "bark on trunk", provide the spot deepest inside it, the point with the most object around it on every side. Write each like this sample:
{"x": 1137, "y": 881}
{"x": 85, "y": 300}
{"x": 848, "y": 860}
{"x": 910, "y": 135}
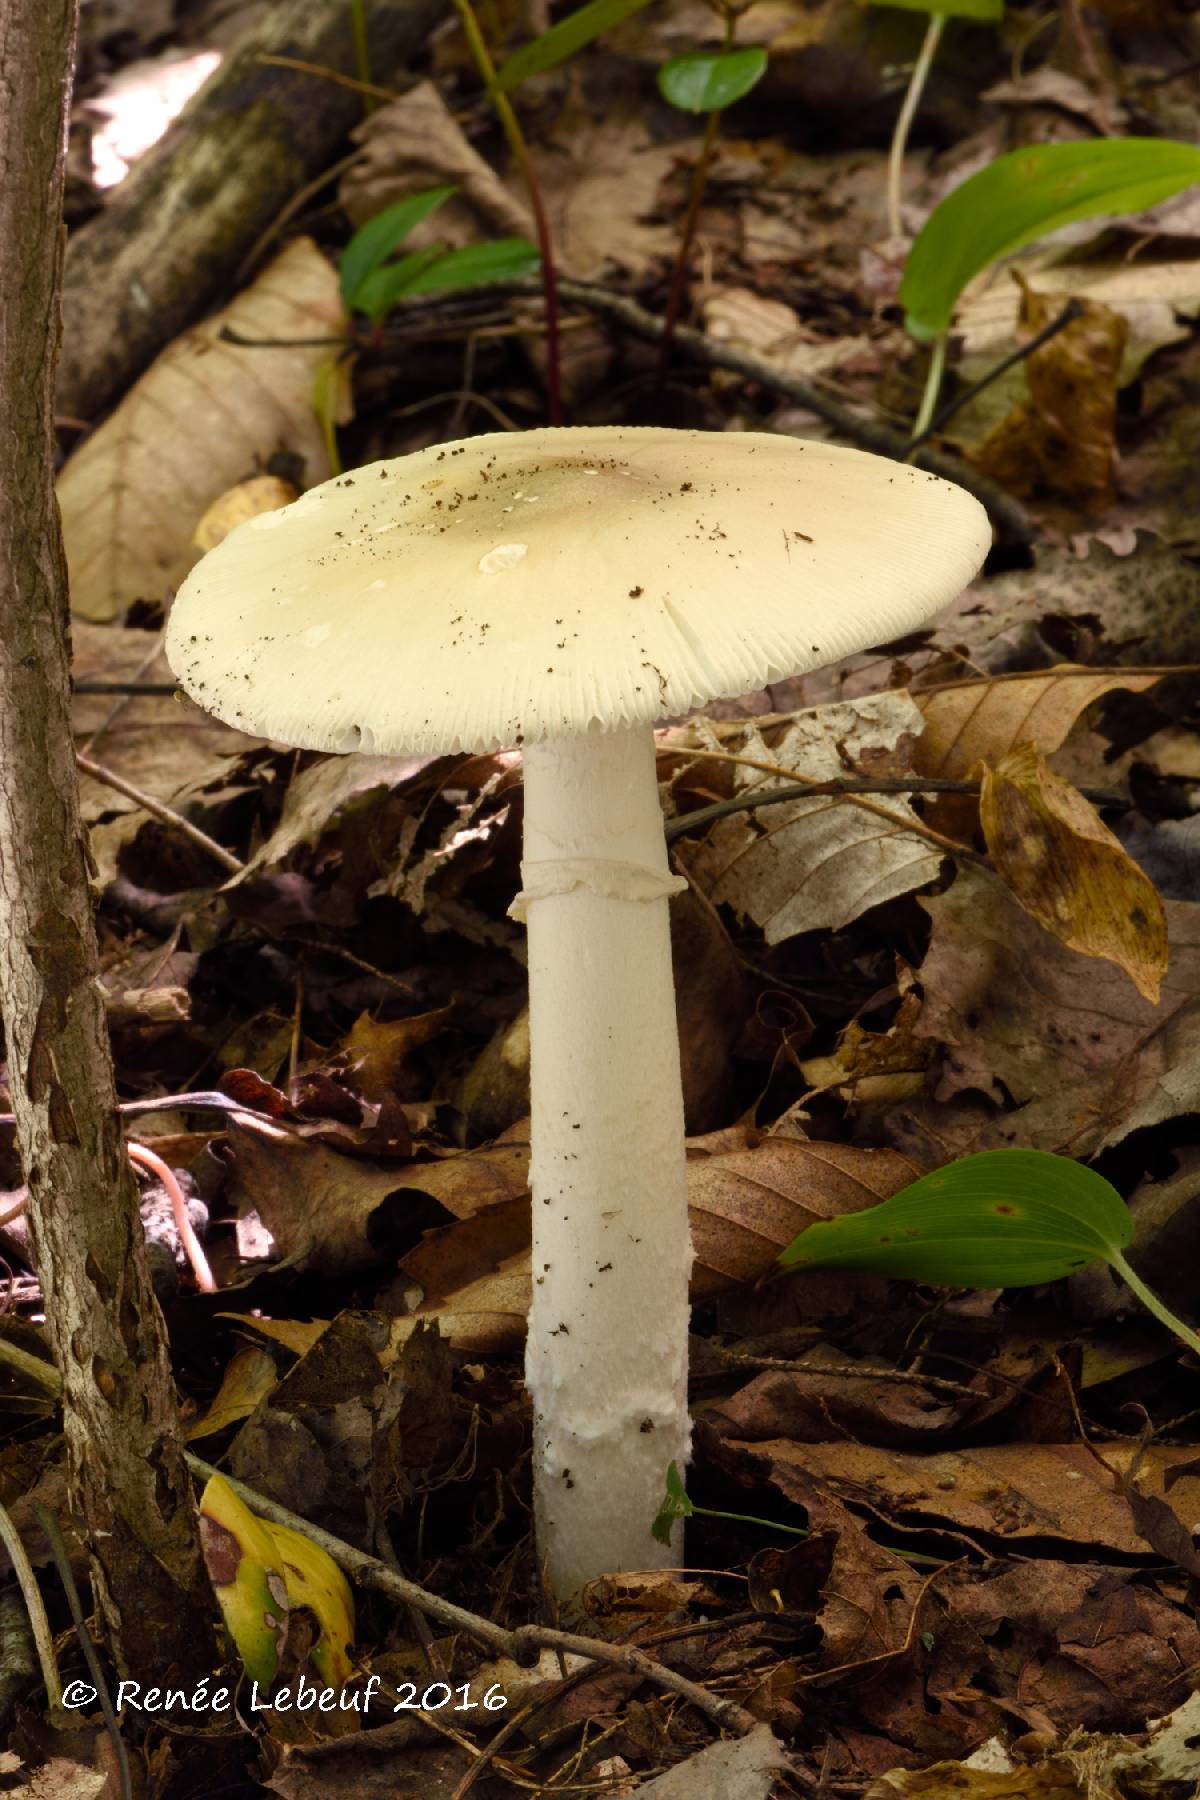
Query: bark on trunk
{"x": 161, "y": 253}
{"x": 125, "y": 1456}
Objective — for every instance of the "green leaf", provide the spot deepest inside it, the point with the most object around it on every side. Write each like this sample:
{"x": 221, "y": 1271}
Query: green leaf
{"x": 564, "y": 39}
{"x": 1004, "y": 1218}
{"x": 700, "y": 83}
{"x": 437, "y": 271}
{"x": 374, "y": 242}
{"x": 379, "y": 292}
{"x": 674, "y": 1505}
{"x": 983, "y": 12}
{"x": 1022, "y": 196}
{"x": 503, "y": 259}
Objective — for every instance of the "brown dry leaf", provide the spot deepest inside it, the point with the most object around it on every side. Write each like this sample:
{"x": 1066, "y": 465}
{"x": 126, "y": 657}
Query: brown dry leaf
{"x": 298, "y": 1335}
{"x": 980, "y": 721}
{"x": 749, "y": 1196}
{"x": 967, "y": 722}
{"x": 262, "y": 493}
{"x": 1043, "y": 1048}
{"x": 1068, "y": 870}
{"x": 600, "y": 180}
{"x": 876, "y": 1064}
{"x": 204, "y": 414}
{"x": 745, "y": 320}
{"x": 1091, "y": 1767}
{"x": 1154, "y": 293}
{"x": 380, "y": 1052}
{"x": 317, "y": 795}
{"x": 249, "y": 1377}
{"x": 414, "y": 143}
{"x": 323, "y": 1207}
{"x": 1015, "y": 1492}
{"x": 805, "y": 865}
{"x": 485, "y": 1318}
{"x": 1064, "y": 437}
{"x": 1057, "y": 1778}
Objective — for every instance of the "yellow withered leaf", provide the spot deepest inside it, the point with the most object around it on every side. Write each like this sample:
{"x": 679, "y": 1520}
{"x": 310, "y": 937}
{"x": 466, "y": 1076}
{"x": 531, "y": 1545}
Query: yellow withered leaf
{"x": 259, "y": 494}
{"x": 1068, "y": 870}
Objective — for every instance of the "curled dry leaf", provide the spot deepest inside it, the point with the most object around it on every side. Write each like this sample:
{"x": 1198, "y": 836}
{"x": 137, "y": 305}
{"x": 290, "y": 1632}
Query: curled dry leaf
{"x": 414, "y": 143}
{"x": 201, "y": 418}
{"x": 967, "y": 722}
{"x": 1063, "y": 438}
{"x": 1068, "y": 870}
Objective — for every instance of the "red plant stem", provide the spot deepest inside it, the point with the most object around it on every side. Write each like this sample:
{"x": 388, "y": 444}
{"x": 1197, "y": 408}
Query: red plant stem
{"x": 138, "y": 1153}
{"x": 554, "y": 407}
{"x": 679, "y": 275}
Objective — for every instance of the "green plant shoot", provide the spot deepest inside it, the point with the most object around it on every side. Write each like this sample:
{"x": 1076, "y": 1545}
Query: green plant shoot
{"x": 372, "y": 284}
{"x": 1003, "y": 1218}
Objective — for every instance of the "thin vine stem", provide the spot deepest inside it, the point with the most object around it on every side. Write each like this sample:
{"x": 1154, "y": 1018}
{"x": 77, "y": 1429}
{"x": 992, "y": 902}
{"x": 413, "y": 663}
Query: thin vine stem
{"x": 1152, "y": 1303}
{"x": 912, "y": 99}
{"x": 515, "y": 137}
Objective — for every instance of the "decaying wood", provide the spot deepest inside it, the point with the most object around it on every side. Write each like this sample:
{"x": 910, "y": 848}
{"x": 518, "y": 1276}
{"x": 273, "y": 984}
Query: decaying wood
{"x": 128, "y": 1479}
{"x": 161, "y": 253}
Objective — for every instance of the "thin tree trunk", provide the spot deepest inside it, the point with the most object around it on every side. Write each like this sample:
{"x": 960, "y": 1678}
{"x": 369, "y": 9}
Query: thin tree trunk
{"x": 124, "y": 1450}
{"x": 173, "y": 233}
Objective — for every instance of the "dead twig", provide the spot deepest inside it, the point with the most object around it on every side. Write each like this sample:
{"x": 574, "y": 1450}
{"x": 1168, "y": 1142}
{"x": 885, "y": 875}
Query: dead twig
{"x": 110, "y": 779}
{"x": 753, "y": 798}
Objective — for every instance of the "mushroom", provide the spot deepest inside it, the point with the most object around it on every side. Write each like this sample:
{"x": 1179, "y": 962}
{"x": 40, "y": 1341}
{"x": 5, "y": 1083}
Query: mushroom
{"x": 561, "y": 590}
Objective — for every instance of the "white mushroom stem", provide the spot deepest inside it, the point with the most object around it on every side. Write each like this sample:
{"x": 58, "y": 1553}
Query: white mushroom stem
{"x": 606, "y": 1363}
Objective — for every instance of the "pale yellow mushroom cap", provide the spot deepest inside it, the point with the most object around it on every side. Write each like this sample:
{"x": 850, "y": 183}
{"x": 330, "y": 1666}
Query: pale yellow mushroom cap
{"x": 531, "y": 585}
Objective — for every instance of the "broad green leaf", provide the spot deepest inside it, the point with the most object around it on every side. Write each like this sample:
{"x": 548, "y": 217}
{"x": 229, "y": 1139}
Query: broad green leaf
{"x": 504, "y": 259}
{"x": 984, "y": 12}
{"x": 1004, "y": 1218}
{"x": 700, "y": 83}
{"x": 374, "y": 242}
{"x": 564, "y": 39}
{"x": 1023, "y": 195}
